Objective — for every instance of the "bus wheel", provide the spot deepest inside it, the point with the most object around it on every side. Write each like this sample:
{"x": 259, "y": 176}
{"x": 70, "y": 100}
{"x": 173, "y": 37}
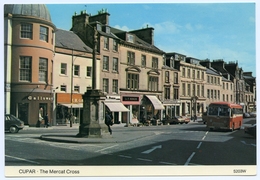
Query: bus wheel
{"x": 233, "y": 127}
{"x": 211, "y": 129}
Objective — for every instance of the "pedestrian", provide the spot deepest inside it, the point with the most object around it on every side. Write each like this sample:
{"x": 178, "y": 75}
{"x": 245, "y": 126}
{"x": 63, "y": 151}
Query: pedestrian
{"x": 108, "y": 122}
{"x": 46, "y": 121}
{"x": 38, "y": 124}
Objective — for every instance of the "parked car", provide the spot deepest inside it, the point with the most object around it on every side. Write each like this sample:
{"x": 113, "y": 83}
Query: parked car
{"x": 251, "y": 130}
{"x": 176, "y": 120}
{"x": 252, "y": 114}
{"x": 13, "y": 124}
{"x": 246, "y": 115}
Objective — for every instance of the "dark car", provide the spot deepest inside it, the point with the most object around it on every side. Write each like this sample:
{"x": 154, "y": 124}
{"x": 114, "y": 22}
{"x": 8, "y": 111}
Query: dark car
{"x": 251, "y": 130}
{"x": 252, "y": 114}
{"x": 246, "y": 115}
{"x": 13, "y": 124}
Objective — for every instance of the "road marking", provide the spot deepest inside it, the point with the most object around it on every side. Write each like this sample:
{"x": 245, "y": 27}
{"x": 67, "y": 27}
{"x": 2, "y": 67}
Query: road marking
{"x": 152, "y": 149}
{"x": 106, "y": 148}
{"x": 248, "y": 144}
{"x": 123, "y": 156}
{"x": 199, "y": 145}
{"x": 188, "y": 161}
{"x": 141, "y": 159}
{"x": 167, "y": 163}
{"x": 34, "y": 162}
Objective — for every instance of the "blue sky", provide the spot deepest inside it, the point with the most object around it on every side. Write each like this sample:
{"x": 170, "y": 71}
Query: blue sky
{"x": 200, "y": 30}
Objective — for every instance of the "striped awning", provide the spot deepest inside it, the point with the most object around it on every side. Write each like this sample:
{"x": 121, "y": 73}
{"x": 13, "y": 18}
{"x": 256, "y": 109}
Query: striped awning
{"x": 115, "y": 106}
{"x": 156, "y": 102}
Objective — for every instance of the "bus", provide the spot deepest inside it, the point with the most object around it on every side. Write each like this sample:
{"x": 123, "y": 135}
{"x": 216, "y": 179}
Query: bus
{"x": 224, "y": 115}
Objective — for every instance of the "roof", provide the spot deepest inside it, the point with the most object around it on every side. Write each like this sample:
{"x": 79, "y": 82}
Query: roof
{"x": 37, "y": 10}
{"x": 212, "y": 71}
{"x": 226, "y": 103}
{"x": 70, "y": 40}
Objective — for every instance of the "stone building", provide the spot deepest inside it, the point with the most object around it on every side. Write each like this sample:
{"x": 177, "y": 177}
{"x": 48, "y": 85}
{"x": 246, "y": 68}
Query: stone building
{"x": 72, "y": 75}
{"x": 28, "y": 61}
{"x": 193, "y": 80}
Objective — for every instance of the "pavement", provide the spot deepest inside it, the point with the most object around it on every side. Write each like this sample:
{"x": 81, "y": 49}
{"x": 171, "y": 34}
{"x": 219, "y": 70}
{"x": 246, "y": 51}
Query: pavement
{"x": 118, "y": 136}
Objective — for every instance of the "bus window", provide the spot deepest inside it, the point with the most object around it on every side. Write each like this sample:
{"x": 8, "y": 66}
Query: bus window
{"x": 223, "y": 111}
{"x": 213, "y": 110}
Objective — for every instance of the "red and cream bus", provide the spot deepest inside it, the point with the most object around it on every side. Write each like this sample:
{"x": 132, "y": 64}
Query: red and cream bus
{"x": 224, "y": 115}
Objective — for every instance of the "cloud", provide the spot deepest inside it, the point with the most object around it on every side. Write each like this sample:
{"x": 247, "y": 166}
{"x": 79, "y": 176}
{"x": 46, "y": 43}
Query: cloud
{"x": 252, "y": 19}
{"x": 124, "y": 28}
{"x": 166, "y": 27}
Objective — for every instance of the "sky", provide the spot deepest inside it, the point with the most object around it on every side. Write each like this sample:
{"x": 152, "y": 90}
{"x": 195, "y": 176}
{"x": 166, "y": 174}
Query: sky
{"x": 200, "y": 30}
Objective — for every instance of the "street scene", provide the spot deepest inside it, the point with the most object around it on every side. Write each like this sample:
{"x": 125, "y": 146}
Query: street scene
{"x": 189, "y": 144}
{"x": 163, "y": 85}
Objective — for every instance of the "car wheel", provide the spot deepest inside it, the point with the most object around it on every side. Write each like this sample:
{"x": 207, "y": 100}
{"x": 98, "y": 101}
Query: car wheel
{"x": 13, "y": 129}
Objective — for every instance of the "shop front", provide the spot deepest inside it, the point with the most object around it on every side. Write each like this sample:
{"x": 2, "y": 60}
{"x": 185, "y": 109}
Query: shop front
{"x": 29, "y": 108}
{"x": 68, "y": 108}
{"x": 172, "y": 108}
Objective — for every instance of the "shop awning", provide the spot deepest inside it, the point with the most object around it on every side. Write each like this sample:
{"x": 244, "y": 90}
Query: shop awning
{"x": 155, "y": 101}
{"x": 116, "y": 107}
{"x": 69, "y": 105}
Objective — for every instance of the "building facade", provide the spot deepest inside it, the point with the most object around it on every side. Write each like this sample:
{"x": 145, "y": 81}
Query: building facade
{"x": 28, "y": 56}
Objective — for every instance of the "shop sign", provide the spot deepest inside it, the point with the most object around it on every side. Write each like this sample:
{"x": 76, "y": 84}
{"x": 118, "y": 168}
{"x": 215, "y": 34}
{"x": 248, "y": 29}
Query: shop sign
{"x": 130, "y": 100}
{"x": 40, "y": 98}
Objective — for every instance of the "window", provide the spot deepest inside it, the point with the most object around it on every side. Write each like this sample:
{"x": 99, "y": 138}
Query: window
{"x": 26, "y": 31}
{"x": 208, "y": 94}
{"x": 223, "y": 85}
{"x": 115, "y": 86}
{"x": 208, "y": 79}
{"x": 167, "y": 93}
{"x": 176, "y": 93}
{"x": 154, "y": 62}
{"x": 211, "y": 94}
{"x": 193, "y": 73}
{"x": 153, "y": 83}
{"x": 115, "y": 45}
{"x": 115, "y": 64}
{"x": 167, "y": 76}
{"x": 105, "y": 85}
{"x": 89, "y": 71}
{"x": 44, "y": 31}
{"x": 193, "y": 90}
{"x": 63, "y": 68}
{"x": 223, "y": 97}
{"x": 130, "y": 58}
{"x": 227, "y": 98}
{"x": 132, "y": 81}
{"x": 43, "y": 69}
{"x": 175, "y": 78}
{"x": 183, "y": 72}
{"x": 188, "y": 90}
{"x": 202, "y": 75}
{"x": 231, "y": 98}
{"x": 106, "y": 43}
{"x": 211, "y": 80}
{"x": 76, "y": 70}
{"x": 25, "y": 68}
{"x": 130, "y": 38}
{"x": 183, "y": 89}
{"x": 218, "y": 94}
{"x": 105, "y": 63}
{"x": 188, "y": 73}
{"x": 63, "y": 88}
{"x": 227, "y": 86}
{"x": 76, "y": 89}
{"x": 231, "y": 87}
{"x": 218, "y": 81}
{"x": 198, "y": 90}
{"x": 198, "y": 74}
{"x": 202, "y": 90}
{"x": 143, "y": 61}
{"x": 215, "y": 94}
{"x": 215, "y": 80}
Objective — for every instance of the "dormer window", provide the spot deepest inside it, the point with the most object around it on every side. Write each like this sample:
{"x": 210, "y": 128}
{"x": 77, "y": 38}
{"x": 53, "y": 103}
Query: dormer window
{"x": 108, "y": 30}
{"x": 99, "y": 27}
{"x": 130, "y": 38}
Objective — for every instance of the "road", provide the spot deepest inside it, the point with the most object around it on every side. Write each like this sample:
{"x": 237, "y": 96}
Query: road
{"x": 181, "y": 145}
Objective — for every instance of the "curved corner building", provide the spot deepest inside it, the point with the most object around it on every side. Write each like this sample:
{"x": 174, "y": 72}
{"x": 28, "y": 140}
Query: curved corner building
{"x": 28, "y": 55}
